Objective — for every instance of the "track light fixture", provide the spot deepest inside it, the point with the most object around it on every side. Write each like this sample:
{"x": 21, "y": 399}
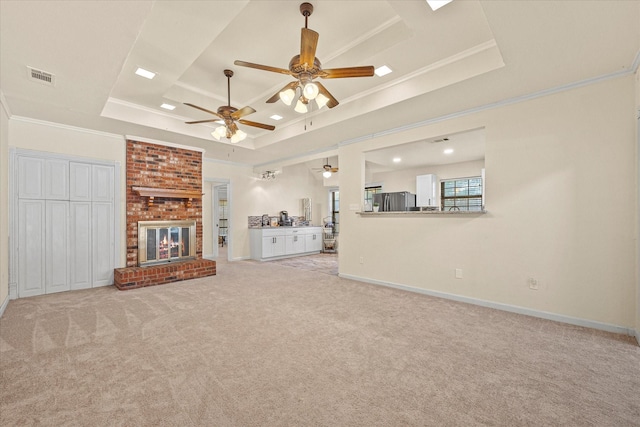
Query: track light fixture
{"x": 268, "y": 175}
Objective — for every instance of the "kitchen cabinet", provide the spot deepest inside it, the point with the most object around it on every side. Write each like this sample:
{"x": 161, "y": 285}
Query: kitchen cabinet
{"x": 313, "y": 240}
{"x": 294, "y": 242}
{"x": 272, "y": 245}
{"x": 283, "y": 242}
{"x": 427, "y": 190}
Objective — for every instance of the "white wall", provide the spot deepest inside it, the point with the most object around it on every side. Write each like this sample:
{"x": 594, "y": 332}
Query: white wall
{"x": 250, "y": 196}
{"x": 4, "y": 206}
{"x": 561, "y": 196}
{"x": 405, "y": 180}
{"x": 76, "y": 142}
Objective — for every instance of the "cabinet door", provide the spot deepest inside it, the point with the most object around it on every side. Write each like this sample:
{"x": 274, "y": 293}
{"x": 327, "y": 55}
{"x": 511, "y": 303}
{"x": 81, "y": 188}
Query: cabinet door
{"x": 31, "y": 248}
{"x": 313, "y": 242}
{"x": 80, "y": 245}
{"x": 56, "y": 182}
{"x": 279, "y": 246}
{"x": 427, "y": 190}
{"x": 79, "y": 182}
{"x": 294, "y": 244}
{"x": 267, "y": 246}
{"x": 30, "y": 178}
{"x": 102, "y": 183}
{"x": 57, "y": 247}
{"x": 273, "y": 246}
{"x": 102, "y": 242}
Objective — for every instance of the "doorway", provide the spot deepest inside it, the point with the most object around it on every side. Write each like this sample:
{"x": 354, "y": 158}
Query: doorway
{"x": 221, "y": 210}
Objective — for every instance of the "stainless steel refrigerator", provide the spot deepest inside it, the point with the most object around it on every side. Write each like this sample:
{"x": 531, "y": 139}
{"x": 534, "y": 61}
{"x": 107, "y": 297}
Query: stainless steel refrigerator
{"x": 398, "y": 201}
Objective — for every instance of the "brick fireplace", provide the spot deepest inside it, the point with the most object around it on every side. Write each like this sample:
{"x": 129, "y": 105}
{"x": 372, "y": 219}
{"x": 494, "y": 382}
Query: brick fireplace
{"x": 164, "y": 185}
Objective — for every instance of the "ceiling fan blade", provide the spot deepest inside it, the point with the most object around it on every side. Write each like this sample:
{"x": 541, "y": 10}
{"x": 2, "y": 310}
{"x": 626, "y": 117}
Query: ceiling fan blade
{"x": 204, "y": 109}
{"x": 339, "y": 73}
{"x": 323, "y": 90}
{"x": 257, "y": 125}
{"x": 203, "y": 121}
{"x": 276, "y": 97}
{"x": 262, "y": 67}
{"x": 242, "y": 112}
{"x": 308, "y": 44}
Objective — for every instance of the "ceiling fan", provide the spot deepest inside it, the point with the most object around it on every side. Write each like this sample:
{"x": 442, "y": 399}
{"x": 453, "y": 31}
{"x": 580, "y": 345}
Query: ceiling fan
{"x": 327, "y": 169}
{"x": 305, "y": 67}
{"x": 228, "y": 116}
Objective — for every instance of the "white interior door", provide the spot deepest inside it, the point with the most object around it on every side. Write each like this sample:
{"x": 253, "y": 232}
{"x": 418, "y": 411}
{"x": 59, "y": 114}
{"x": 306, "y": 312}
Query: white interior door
{"x": 57, "y": 246}
{"x": 80, "y": 244}
{"x": 31, "y": 247}
{"x": 102, "y": 241}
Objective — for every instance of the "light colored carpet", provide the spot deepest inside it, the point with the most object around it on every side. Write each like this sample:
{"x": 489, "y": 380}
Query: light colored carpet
{"x": 262, "y": 344}
{"x": 326, "y": 263}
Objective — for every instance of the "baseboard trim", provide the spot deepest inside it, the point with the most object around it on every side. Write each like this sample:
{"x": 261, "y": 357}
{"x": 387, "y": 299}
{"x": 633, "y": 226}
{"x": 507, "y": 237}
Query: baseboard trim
{"x": 505, "y": 307}
{"x": 4, "y": 305}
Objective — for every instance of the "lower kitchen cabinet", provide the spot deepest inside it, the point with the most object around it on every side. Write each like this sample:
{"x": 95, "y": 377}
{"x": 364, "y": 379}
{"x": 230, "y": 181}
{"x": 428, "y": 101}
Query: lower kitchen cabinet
{"x": 272, "y": 246}
{"x": 273, "y": 243}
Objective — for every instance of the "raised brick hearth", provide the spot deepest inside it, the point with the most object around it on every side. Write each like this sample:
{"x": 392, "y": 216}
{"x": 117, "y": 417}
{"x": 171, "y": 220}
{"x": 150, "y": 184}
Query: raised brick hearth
{"x": 167, "y": 168}
{"x": 138, "y": 277}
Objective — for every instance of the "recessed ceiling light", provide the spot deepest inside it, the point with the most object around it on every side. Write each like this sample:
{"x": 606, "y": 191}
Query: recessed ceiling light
{"x": 448, "y": 151}
{"x": 437, "y": 4}
{"x": 145, "y": 73}
{"x": 383, "y": 71}
{"x": 397, "y": 160}
{"x": 168, "y": 107}
{"x": 276, "y": 117}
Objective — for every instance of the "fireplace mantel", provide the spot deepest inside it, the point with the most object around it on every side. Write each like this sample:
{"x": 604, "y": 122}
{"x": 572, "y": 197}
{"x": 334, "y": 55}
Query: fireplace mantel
{"x": 150, "y": 193}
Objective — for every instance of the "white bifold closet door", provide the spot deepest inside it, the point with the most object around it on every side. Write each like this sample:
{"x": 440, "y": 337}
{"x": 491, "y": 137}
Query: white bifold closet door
{"x": 65, "y": 225}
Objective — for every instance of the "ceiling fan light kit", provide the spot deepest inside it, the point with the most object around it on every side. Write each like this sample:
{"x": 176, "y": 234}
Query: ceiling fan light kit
{"x": 219, "y": 133}
{"x": 305, "y": 67}
{"x": 229, "y": 115}
{"x": 326, "y": 169}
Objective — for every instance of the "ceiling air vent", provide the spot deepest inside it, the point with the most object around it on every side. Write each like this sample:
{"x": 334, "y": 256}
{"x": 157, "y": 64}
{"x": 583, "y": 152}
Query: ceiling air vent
{"x": 41, "y": 76}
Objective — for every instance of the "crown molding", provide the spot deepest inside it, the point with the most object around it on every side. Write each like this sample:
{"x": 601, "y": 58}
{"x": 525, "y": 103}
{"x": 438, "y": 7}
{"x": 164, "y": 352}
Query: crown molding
{"x": 226, "y": 162}
{"x": 66, "y": 127}
{"x": 5, "y": 104}
{"x": 498, "y": 104}
{"x": 165, "y": 143}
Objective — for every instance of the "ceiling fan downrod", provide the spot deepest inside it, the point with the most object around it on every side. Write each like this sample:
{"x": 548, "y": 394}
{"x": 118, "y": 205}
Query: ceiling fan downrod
{"x": 306, "y": 9}
{"x": 229, "y": 74}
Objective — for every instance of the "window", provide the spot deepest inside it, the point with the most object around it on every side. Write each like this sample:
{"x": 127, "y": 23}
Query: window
{"x": 461, "y": 194}
{"x": 368, "y": 194}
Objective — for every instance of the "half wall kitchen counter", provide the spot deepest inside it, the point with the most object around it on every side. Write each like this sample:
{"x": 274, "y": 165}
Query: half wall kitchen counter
{"x": 421, "y": 213}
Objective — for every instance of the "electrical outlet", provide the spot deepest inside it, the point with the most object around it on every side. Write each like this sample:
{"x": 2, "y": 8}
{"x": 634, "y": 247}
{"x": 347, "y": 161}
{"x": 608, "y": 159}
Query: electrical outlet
{"x": 361, "y": 260}
{"x": 533, "y": 284}
{"x": 458, "y": 273}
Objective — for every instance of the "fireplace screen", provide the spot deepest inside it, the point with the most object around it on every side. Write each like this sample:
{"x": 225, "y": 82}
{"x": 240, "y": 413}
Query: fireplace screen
{"x": 166, "y": 241}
